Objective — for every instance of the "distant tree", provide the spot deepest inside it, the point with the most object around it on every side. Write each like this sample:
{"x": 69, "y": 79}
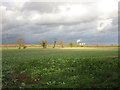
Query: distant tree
{"x": 54, "y": 43}
{"x": 71, "y": 44}
{"x": 43, "y": 43}
{"x": 6, "y": 46}
{"x": 61, "y": 43}
{"x": 20, "y": 42}
{"x": 24, "y": 47}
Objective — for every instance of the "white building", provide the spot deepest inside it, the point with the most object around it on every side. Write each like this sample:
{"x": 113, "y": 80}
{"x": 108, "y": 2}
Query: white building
{"x": 81, "y": 43}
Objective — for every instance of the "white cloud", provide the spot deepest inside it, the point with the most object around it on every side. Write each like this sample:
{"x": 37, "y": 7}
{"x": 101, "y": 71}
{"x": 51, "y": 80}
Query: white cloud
{"x": 17, "y": 4}
{"x": 104, "y": 24}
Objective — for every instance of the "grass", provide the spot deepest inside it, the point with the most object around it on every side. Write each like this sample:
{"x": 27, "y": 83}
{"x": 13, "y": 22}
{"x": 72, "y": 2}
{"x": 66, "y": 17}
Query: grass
{"x": 85, "y": 67}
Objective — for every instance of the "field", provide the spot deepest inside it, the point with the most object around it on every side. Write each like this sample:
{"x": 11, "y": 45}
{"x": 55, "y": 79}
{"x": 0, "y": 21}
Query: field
{"x": 80, "y": 67}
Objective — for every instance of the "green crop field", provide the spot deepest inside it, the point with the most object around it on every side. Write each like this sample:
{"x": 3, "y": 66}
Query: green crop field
{"x": 81, "y": 67}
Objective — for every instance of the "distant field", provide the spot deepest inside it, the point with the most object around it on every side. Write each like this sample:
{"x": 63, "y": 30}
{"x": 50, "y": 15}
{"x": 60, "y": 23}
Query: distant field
{"x": 77, "y": 67}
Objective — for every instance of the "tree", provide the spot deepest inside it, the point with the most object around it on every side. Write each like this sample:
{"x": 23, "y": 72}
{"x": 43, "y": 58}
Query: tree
{"x": 20, "y": 42}
{"x": 71, "y": 44}
{"x": 43, "y": 43}
{"x": 24, "y": 47}
{"x": 54, "y": 43}
{"x": 61, "y": 43}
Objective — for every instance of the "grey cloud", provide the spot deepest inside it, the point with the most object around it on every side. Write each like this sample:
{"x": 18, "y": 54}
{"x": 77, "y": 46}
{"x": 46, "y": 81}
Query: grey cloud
{"x": 54, "y": 25}
{"x": 42, "y": 7}
{"x": 115, "y": 21}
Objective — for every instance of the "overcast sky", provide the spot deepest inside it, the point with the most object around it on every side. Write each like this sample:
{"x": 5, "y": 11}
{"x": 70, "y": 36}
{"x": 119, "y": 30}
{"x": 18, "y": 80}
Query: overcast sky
{"x": 91, "y": 22}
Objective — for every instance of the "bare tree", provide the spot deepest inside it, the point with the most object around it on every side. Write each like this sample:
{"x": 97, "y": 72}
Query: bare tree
{"x": 20, "y": 42}
{"x": 54, "y": 43}
{"x": 24, "y": 47}
{"x": 43, "y": 43}
{"x": 71, "y": 44}
{"x": 61, "y": 43}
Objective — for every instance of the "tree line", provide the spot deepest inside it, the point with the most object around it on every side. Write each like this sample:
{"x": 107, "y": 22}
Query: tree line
{"x": 43, "y": 43}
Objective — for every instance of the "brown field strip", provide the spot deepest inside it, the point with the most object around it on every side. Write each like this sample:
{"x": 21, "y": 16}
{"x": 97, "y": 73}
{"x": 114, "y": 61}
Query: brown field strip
{"x": 64, "y": 45}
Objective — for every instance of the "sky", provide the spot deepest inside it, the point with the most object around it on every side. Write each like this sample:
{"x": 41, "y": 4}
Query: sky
{"x": 90, "y": 22}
